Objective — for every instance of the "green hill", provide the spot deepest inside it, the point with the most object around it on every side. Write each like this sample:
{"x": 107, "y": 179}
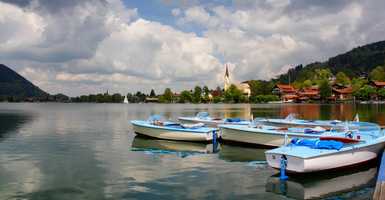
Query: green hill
{"x": 357, "y": 62}
{"x": 13, "y": 85}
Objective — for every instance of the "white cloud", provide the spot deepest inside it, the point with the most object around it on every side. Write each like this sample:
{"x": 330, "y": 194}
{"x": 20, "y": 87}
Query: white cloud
{"x": 263, "y": 38}
{"x": 19, "y": 28}
{"x": 150, "y": 50}
{"x": 88, "y": 46}
{"x": 196, "y": 14}
{"x": 175, "y": 12}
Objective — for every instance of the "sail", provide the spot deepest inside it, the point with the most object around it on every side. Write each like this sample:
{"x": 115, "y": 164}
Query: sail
{"x": 125, "y": 99}
{"x": 356, "y": 118}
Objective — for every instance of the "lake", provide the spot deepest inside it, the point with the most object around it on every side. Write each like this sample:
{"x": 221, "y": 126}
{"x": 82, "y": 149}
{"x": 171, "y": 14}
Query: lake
{"x": 88, "y": 151}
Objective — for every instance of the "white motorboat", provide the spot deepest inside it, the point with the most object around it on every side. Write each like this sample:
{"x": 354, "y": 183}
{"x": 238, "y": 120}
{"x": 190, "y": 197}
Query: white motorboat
{"x": 291, "y": 121}
{"x": 174, "y": 131}
{"x": 303, "y": 156}
{"x": 270, "y": 135}
{"x": 204, "y": 117}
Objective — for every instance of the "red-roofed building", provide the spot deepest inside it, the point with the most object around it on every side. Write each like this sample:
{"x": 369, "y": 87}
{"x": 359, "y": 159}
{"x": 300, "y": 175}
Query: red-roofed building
{"x": 286, "y": 92}
{"x": 309, "y": 93}
{"x": 344, "y": 93}
{"x": 216, "y": 93}
{"x": 378, "y": 84}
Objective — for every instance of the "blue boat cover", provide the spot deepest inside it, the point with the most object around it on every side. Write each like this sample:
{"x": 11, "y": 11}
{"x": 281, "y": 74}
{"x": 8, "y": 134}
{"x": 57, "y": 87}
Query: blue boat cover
{"x": 233, "y": 120}
{"x": 318, "y": 144}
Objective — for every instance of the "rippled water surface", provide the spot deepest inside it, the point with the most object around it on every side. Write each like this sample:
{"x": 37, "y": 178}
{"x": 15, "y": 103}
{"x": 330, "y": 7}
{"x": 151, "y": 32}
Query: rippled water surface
{"x": 88, "y": 151}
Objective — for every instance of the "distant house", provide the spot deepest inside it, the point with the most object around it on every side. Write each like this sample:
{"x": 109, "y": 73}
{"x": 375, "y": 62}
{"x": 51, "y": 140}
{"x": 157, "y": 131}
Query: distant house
{"x": 309, "y": 93}
{"x": 215, "y": 93}
{"x": 378, "y": 84}
{"x": 286, "y": 92}
{"x": 245, "y": 88}
{"x": 152, "y": 100}
{"x": 342, "y": 93}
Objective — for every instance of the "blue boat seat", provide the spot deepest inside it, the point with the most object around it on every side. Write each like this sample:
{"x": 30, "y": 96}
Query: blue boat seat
{"x": 318, "y": 144}
{"x": 233, "y": 120}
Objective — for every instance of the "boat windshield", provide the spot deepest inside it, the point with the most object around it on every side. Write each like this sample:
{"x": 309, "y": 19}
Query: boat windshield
{"x": 156, "y": 118}
{"x": 257, "y": 122}
{"x": 362, "y": 126}
{"x": 203, "y": 115}
{"x": 291, "y": 116}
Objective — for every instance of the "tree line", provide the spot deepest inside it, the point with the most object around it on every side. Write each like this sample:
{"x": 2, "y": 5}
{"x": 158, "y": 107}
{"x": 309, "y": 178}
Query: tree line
{"x": 261, "y": 91}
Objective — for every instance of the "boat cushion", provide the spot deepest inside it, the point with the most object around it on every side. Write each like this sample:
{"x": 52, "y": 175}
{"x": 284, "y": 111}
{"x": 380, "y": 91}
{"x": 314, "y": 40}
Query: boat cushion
{"x": 318, "y": 144}
{"x": 193, "y": 126}
{"x": 233, "y": 120}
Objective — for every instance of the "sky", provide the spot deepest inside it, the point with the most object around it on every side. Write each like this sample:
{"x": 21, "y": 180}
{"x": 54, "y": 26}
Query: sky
{"x": 90, "y": 46}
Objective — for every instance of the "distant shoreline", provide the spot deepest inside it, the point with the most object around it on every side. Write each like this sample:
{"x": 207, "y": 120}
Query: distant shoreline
{"x": 301, "y": 103}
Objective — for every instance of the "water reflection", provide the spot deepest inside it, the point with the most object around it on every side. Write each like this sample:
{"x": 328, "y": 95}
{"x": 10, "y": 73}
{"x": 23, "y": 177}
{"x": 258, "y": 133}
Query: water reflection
{"x": 241, "y": 154}
{"x": 182, "y": 149}
{"x": 371, "y": 113}
{"x": 10, "y": 122}
{"x": 84, "y": 151}
{"x": 325, "y": 185}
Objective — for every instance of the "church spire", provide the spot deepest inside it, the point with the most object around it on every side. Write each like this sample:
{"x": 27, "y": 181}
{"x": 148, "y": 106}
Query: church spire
{"x": 227, "y": 78}
{"x": 227, "y": 72}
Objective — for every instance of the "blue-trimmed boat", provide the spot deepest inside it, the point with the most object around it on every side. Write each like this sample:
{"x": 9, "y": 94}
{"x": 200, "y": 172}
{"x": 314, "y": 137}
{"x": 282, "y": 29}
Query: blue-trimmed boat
{"x": 303, "y": 156}
{"x": 154, "y": 127}
{"x": 291, "y": 121}
{"x": 205, "y": 118}
{"x": 272, "y": 136}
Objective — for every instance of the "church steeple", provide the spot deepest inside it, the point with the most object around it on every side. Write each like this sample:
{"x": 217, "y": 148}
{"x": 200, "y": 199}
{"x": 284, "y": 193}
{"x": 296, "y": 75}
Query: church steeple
{"x": 227, "y": 78}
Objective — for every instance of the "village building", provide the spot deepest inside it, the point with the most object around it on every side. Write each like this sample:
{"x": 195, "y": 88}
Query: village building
{"x": 378, "y": 84}
{"x": 342, "y": 93}
{"x": 152, "y": 100}
{"x": 310, "y": 93}
{"x": 285, "y": 92}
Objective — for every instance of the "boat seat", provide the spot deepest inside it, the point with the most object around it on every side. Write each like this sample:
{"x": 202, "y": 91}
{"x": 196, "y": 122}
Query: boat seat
{"x": 192, "y": 126}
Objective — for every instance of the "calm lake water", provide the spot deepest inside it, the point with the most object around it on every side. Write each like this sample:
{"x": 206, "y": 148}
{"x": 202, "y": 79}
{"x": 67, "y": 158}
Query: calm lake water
{"x": 88, "y": 151}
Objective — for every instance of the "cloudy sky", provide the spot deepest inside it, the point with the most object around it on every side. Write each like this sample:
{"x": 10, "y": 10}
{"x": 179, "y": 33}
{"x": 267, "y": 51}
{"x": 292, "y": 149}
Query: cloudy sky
{"x": 88, "y": 46}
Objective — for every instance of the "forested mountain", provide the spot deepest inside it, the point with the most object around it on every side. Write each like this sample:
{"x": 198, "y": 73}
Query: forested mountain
{"x": 13, "y": 85}
{"x": 359, "y": 61}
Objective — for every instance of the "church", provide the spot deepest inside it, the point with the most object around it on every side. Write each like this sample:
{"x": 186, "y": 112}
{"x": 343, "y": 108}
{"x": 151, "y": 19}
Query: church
{"x": 244, "y": 86}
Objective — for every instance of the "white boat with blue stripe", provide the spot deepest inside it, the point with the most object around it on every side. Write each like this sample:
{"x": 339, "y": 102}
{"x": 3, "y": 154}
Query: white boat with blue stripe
{"x": 156, "y": 128}
{"x": 303, "y": 156}
{"x": 273, "y": 136}
{"x": 291, "y": 121}
{"x": 205, "y": 118}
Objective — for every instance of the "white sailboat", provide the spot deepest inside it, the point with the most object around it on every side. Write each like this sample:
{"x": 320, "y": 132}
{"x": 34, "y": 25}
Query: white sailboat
{"x": 125, "y": 100}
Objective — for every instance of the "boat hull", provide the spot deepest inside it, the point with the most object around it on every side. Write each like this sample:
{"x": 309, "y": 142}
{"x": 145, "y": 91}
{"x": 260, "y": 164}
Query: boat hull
{"x": 257, "y": 137}
{"x": 142, "y": 142}
{"x": 173, "y": 134}
{"x": 339, "y": 159}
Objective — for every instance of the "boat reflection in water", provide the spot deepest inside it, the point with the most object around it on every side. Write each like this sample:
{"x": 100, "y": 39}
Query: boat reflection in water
{"x": 235, "y": 153}
{"x": 325, "y": 185}
{"x": 179, "y": 148}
